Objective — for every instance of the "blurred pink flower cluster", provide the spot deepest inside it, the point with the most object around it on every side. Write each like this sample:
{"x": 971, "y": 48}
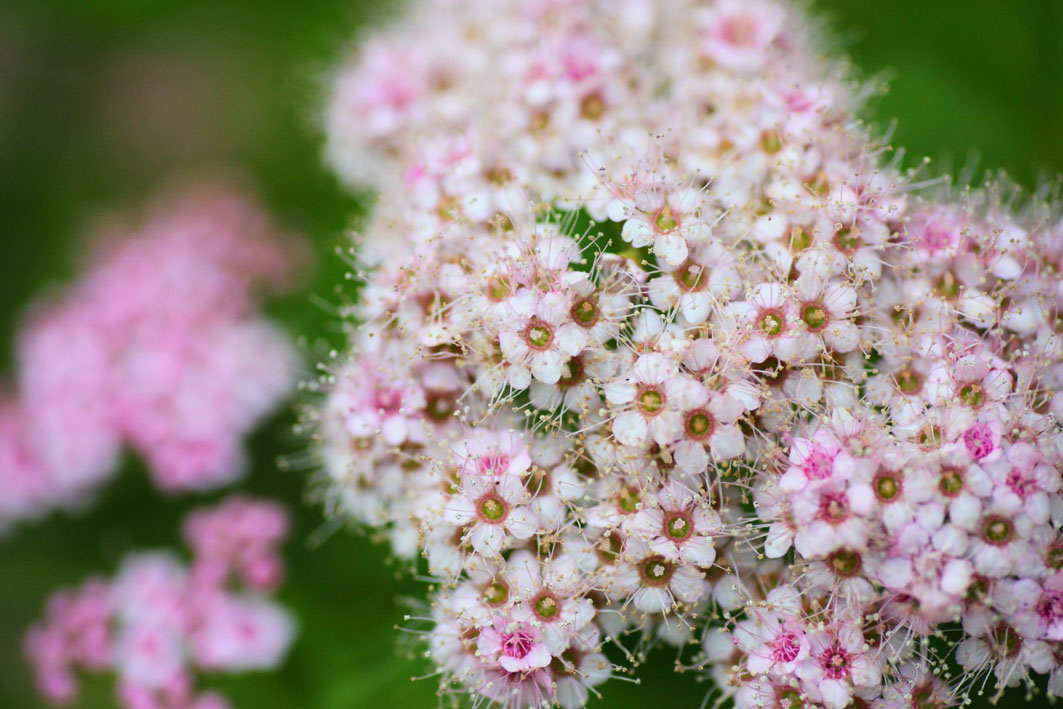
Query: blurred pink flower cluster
{"x": 158, "y": 346}
{"x": 160, "y": 622}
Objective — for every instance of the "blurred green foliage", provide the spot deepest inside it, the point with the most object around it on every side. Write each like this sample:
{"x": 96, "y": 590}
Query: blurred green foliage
{"x": 102, "y": 102}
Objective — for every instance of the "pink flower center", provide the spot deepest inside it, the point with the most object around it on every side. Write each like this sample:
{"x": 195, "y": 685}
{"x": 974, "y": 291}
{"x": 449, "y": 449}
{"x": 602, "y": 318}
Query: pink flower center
{"x": 740, "y": 31}
{"x": 1020, "y": 483}
{"x": 492, "y": 464}
{"x": 935, "y": 237}
{"x": 1050, "y": 607}
{"x": 979, "y": 440}
{"x": 835, "y": 663}
{"x": 518, "y": 644}
{"x": 819, "y": 464}
{"x": 387, "y": 401}
{"x": 785, "y": 647}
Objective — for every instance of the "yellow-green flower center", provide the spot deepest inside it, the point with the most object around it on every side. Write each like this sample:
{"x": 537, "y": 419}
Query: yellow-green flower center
{"x": 585, "y": 312}
{"x": 814, "y": 315}
{"x": 592, "y": 106}
{"x": 495, "y": 594}
{"x": 699, "y": 424}
{"x": 656, "y": 571}
{"x": 609, "y": 547}
{"x": 770, "y": 142}
{"x": 947, "y": 286}
{"x": 909, "y": 381}
{"x": 678, "y": 527}
{"x": 546, "y": 606}
{"x": 844, "y": 563}
{"x": 665, "y": 220}
{"x": 690, "y": 276}
{"x": 951, "y": 483}
{"x": 572, "y": 373}
{"x": 847, "y": 239}
{"x": 492, "y": 509}
{"x": 498, "y": 289}
{"x": 1007, "y": 640}
{"x": 887, "y": 486}
{"x": 650, "y": 401}
{"x": 771, "y": 323}
{"x": 997, "y": 530}
{"x": 539, "y": 335}
{"x": 799, "y": 239}
{"x": 972, "y": 395}
{"x": 629, "y": 499}
{"x": 930, "y": 436}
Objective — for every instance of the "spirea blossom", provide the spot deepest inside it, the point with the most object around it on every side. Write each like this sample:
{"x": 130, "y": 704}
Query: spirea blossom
{"x": 160, "y": 622}
{"x": 655, "y": 347}
{"x": 159, "y": 346}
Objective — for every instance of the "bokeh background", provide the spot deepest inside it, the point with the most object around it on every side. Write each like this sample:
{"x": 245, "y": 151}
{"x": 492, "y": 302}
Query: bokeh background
{"x": 103, "y": 102}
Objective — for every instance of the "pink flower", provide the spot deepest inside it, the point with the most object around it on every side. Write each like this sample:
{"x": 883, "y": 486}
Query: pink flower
{"x": 710, "y": 429}
{"x": 517, "y": 646}
{"x": 157, "y": 622}
{"x": 678, "y": 524}
{"x": 829, "y": 517}
{"x": 237, "y": 634}
{"x": 489, "y": 508}
{"x": 241, "y": 536}
{"x": 655, "y": 583}
{"x": 650, "y": 397}
{"x": 737, "y": 34}
{"x": 667, "y": 221}
{"x": 157, "y": 345}
{"x": 540, "y": 336}
{"x": 983, "y": 441}
{"x": 839, "y": 661}
{"x": 1023, "y": 482}
{"x": 550, "y": 592}
{"x": 827, "y": 309}
{"x": 768, "y": 324}
{"x": 774, "y": 639}
{"x": 815, "y": 461}
{"x": 707, "y": 278}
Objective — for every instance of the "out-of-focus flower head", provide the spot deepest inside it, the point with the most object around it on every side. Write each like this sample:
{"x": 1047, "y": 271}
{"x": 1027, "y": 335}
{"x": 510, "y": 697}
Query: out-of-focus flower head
{"x": 160, "y": 622}
{"x": 158, "y": 346}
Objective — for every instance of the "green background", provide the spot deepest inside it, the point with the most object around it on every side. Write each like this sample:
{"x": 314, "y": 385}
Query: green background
{"x": 103, "y": 102}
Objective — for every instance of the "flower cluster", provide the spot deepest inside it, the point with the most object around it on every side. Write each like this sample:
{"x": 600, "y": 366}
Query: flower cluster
{"x": 160, "y": 621}
{"x": 159, "y": 346}
{"x": 654, "y": 347}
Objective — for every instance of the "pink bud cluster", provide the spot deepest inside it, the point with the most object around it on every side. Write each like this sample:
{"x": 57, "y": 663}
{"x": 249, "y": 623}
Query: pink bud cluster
{"x": 158, "y": 345}
{"x": 654, "y": 347}
{"x": 159, "y": 622}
